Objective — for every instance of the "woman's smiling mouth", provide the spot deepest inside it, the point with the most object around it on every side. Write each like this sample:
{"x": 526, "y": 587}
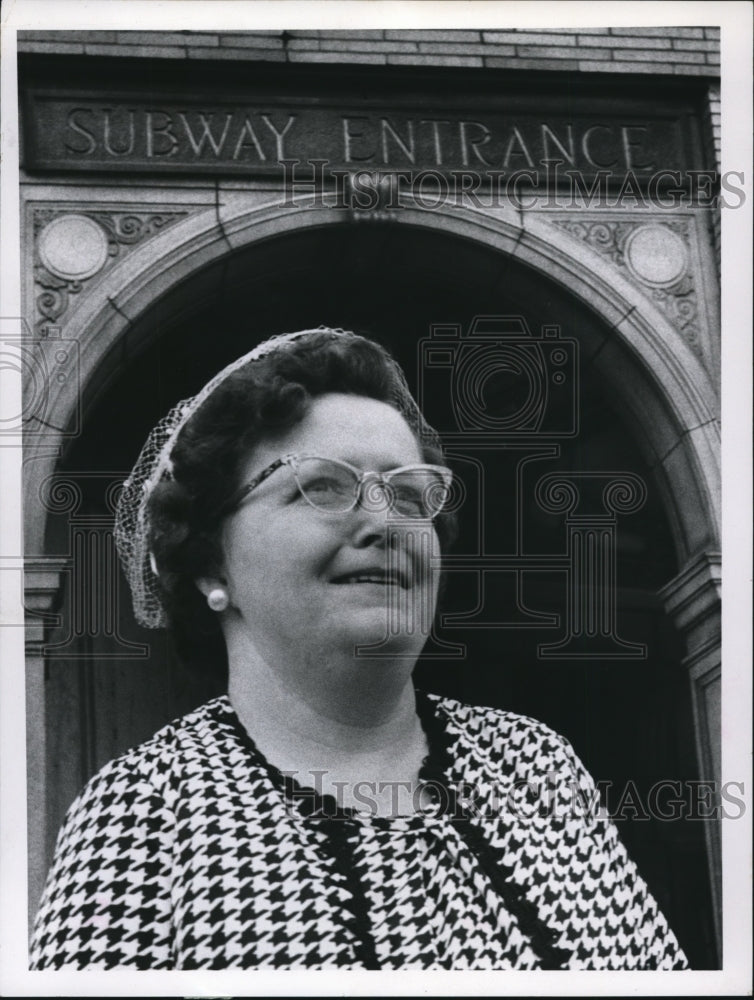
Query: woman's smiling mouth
{"x": 380, "y": 577}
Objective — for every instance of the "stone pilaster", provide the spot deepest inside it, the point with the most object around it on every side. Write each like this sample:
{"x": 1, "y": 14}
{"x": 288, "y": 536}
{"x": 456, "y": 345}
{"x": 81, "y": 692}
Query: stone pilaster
{"x": 692, "y": 600}
{"x": 43, "y": 578}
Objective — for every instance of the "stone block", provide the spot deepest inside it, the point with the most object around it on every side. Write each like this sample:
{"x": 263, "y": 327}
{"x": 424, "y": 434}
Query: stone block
{"x": 370, "y": 58}
{"x": 530, "y": 37}
{"x": 68, "y": 36}
{"x": 250, "y": 55}
{"x": 424, "y": 59}
{"x": 342, "y": 35}
{"x": 61, "y": 48}
{"x": 626, "y": 67}
{"x": 658, "y": 32}
{"x": 617, "y": 43}
{"x": 520, "y": 62}
{"x": 143, "y": 51}
{"x": 359, "y": 45}
{"x": 303, "y": 45}
{"x": 499, "y": 50}
{"x": 696, "y": 44}
{"x": 666, "y": 56}
{"x": 688, "y": 32}
{"x": 594, "y": 54}
{"x": 437, "y": 35}
{"x": 251, "y": 40}
{"x": 454, "y": 49}
{"x": 367, "y": 34}
{"x": 544, "y": 52}
{"x": 161, "y": 38}
{"x": 683, "y": 69}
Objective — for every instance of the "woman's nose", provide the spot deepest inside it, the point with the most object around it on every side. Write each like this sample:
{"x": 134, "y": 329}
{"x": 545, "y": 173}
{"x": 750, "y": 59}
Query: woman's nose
{"x": 371, "y": 524}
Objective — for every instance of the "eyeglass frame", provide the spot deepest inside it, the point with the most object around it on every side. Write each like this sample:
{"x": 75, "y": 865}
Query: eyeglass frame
{"x": 236, "y": 499}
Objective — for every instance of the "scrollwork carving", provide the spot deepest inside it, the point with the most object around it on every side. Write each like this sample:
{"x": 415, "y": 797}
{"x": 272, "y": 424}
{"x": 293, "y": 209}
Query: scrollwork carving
{"x": 53, "y": 301}
{"x": 606, "y": 238}
{"x": 123, "y": 230}
{"x": 678, "y": 301}
{"x": 126, "y": 229}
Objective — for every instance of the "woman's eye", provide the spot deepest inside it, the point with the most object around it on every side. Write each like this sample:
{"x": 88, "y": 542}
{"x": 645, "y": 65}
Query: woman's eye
{"x": 410, "y": 508}
{"x": 409, "y": 501}
{"x": 323, "y": 485}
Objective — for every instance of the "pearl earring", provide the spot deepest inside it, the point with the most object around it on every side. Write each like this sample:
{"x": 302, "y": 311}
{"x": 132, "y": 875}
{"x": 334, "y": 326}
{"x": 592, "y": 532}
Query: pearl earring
{"x": 218, "y": 599}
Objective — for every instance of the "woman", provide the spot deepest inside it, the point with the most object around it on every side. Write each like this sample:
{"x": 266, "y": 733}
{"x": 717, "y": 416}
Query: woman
{"x": 287, "y": 522}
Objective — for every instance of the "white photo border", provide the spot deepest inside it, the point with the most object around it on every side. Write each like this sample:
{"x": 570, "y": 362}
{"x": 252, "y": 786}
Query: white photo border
{"x": 735, "y": 20}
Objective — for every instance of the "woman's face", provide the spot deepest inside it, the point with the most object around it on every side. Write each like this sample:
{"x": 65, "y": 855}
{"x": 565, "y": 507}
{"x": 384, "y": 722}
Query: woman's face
{"x": 302, "y": 581}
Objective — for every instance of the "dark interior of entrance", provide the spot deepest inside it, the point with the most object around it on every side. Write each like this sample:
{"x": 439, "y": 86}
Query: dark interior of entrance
{"x": 629, "y": 719}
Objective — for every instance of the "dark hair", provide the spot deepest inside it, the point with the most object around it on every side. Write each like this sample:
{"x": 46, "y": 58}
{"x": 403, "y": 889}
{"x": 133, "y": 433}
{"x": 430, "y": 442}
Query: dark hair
{"x": 263, "y": 397}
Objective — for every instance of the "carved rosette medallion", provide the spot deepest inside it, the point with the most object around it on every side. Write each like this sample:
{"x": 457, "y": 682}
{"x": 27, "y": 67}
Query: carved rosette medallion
{"x": 73, "y": 247}
{"x": 653, "y": 255}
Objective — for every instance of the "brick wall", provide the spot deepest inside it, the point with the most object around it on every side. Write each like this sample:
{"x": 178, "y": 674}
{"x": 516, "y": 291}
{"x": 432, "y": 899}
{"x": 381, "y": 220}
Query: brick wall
{"x": 713, "y": 121}
{"x": 681, "y": 51}
{"x": 713, "y": 136}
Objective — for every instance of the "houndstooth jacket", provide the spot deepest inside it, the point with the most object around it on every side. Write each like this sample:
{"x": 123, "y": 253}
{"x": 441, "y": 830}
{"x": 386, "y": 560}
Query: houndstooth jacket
{"x": 193, "y": 852}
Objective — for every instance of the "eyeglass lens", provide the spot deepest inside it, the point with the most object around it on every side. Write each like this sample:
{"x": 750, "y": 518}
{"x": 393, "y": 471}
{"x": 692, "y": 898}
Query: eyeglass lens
{"x": 418, "y": 493}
